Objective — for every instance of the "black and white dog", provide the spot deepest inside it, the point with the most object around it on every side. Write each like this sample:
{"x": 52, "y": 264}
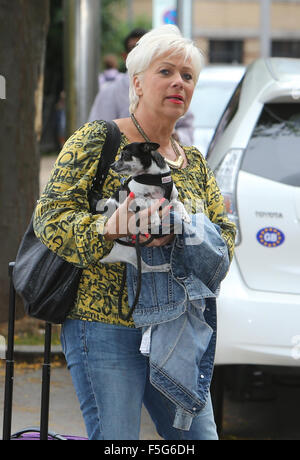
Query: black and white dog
{"x": 150, "y": 179}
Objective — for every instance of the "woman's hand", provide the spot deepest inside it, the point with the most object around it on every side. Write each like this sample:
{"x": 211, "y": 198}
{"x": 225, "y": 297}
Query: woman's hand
{"x": 117, "y": 225}
{"x": 123, "y": 222}
{"x": 157, "y": 241}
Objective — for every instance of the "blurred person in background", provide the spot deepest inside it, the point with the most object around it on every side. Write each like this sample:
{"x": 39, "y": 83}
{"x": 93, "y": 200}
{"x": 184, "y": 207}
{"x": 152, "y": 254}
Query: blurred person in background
{"x": 110, "y": 72}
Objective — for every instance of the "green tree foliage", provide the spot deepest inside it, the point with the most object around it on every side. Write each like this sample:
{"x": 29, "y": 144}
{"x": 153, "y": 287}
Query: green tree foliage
{"x": 114, "y": 31}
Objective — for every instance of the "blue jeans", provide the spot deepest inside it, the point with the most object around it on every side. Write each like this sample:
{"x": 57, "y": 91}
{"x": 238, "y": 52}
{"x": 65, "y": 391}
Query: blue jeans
{"x": 111, "y": 379}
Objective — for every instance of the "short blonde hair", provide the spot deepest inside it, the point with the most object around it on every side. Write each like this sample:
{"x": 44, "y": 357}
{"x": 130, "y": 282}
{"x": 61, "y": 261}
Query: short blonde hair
{"x": 154, "y": 44}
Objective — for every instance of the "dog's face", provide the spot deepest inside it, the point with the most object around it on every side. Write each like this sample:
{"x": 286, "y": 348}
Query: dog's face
{"x": 137, "y": 158}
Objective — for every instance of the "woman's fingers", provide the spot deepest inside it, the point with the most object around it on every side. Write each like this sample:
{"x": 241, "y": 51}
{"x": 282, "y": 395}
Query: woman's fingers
{"x": 150, "y": 218}
{"x": 156, "y": 206}
{"x": 161, "y": 241}
{"x": 127, "y": 202}
{"x": 117, "y": 225}
{"x": 125, "y": 222}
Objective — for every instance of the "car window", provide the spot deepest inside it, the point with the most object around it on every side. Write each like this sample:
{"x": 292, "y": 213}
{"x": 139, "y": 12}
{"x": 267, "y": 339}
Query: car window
{"x": 273, "y": 151}
{"x": 227, "y": 116}
{"x": 209, "y": 101}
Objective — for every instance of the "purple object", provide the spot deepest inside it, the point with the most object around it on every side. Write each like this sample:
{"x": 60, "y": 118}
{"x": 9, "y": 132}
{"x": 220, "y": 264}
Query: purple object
{"x": 33, "y": 434}
{"x": 170, "y": 17}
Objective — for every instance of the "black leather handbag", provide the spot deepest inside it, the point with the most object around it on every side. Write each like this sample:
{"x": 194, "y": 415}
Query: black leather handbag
{"x": 46, "y": 283}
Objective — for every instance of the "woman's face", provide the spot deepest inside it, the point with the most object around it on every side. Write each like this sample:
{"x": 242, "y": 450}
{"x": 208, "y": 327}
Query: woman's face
{"x": 167, "y": 86}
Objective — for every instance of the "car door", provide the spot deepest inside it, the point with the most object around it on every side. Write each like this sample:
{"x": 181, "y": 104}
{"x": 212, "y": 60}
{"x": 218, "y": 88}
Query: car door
{"x": 268, "y": 200}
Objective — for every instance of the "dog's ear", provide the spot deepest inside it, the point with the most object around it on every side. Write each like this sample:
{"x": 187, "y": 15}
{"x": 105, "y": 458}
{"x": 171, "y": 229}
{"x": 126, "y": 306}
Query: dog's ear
{"x": 159, "y": 159}
{"x": 149, "y": 147}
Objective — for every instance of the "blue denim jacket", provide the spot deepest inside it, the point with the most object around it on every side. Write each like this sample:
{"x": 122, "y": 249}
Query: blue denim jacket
{"x": 177, "y": 311}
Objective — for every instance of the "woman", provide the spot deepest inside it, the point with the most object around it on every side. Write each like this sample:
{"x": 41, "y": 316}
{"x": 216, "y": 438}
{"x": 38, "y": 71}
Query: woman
{"x": 110, "y": 375}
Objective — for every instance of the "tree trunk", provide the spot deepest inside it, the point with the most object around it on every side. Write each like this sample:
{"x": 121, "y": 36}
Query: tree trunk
{"x": 23, "y": 31}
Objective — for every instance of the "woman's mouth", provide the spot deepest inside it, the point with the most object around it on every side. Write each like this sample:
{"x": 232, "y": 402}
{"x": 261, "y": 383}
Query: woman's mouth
{"x": 176, "y": 99}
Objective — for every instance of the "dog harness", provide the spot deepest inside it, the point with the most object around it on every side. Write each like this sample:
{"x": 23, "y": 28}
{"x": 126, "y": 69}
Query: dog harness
{"x": 163, "y": 180}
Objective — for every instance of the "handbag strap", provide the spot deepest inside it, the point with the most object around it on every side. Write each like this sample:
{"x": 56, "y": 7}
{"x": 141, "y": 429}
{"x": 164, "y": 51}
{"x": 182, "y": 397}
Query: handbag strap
{"x": 109, "y": 151}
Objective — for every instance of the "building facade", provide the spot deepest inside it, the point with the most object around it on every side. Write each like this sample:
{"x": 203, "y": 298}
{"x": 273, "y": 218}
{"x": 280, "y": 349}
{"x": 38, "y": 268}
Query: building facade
{"x": 229, "y": 31}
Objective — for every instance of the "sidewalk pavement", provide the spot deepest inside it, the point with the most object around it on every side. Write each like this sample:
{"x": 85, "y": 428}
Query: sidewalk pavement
{"x": 64, "y": 415}
{"x": 273, "y": 419}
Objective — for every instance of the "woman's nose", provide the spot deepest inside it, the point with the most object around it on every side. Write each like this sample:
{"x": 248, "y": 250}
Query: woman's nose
{"x": 177, "y": 81}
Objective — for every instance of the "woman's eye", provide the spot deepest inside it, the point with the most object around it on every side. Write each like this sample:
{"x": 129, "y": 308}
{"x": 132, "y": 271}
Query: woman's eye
{"x": 187, "y": 76}
{"x": 164, "y": 71}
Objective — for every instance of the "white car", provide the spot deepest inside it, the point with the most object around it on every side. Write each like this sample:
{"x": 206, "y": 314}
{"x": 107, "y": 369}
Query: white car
{"x": 255, "y": 155}
{"x": 213, "y": 90}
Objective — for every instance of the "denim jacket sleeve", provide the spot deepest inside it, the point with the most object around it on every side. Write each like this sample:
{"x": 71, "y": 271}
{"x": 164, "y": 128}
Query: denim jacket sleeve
{"x": 200, "y": 257}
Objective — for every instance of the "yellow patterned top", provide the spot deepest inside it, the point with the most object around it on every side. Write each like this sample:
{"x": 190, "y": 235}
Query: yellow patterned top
{"x": 64, "y": 224}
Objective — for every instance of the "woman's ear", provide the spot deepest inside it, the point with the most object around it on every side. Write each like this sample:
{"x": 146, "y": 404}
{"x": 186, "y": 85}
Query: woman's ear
{"x": 137, "y": 85}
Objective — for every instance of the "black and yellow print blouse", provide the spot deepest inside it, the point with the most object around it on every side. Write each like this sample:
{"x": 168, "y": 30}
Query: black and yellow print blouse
{"x": 65, "y": 225}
